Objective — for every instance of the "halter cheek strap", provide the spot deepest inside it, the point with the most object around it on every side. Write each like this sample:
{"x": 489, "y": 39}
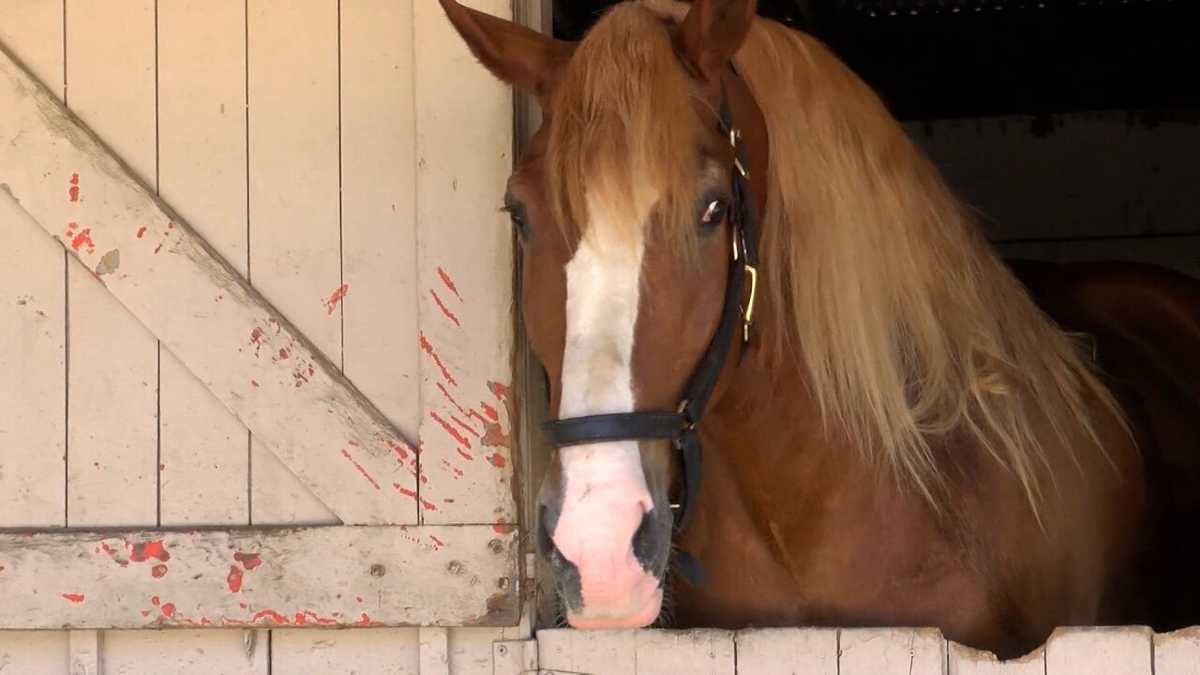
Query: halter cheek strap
{"x": 679, "y": 426}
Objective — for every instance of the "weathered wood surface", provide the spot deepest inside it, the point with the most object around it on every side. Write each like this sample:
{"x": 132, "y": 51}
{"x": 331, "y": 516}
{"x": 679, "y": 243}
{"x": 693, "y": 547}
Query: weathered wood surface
{"x": 315, "y": 577}
{"x": 32, "y": 317}
{"x": 270, "y": 375}
{"x": 112, "y": 372}
{"x": 788, "y": 651}
{"x": 884, "y": 651}
{"x": 967, "y": 661}
{"x": 464, "y": 275}
{"x": 1112, "y": 651}
{"x": 1177, "y": 653}
{"x": 203, "y": 460}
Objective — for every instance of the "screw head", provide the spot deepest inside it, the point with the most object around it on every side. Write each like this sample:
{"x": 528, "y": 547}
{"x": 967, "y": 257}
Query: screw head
{"x": 378, "y": 570}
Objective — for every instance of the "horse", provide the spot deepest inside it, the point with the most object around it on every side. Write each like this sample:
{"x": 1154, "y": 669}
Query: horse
{"x": 734, "y": 259}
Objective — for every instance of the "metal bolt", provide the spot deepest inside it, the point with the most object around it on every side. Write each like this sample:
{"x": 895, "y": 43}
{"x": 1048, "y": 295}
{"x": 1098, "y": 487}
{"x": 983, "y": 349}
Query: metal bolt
{"x": 501, "y": 650}
{"x": 496, "y": 546}
{"x": 455, "y": 567}
{"x": 378, "y": 570}
{"x": 502, "y": 583}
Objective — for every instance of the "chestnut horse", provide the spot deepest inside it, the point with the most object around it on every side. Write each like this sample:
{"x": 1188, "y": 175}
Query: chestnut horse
{"x": 899, "y": 434}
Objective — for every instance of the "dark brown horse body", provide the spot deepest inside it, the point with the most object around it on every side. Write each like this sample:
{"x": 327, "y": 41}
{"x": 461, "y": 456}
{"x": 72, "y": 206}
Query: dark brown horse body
{"x": 906, "y": 440}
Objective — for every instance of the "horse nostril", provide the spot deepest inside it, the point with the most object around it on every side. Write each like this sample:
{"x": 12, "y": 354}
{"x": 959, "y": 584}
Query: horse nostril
{"x": 648, "y": 544}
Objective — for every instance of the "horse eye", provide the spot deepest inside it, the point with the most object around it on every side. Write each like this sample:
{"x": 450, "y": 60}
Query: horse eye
{"x": 714, "y": 213}
{"x": 516, "y": 213}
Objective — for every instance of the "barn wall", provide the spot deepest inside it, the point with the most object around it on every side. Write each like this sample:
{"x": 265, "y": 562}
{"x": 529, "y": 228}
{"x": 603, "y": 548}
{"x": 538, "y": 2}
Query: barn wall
{"x": 1084, "y": 186}
{"x": 344, "y": 158}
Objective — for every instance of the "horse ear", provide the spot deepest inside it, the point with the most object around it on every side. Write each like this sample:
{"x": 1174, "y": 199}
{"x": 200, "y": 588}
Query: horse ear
{"x": 517, "y": 55}
{"x": 713, "y": 32}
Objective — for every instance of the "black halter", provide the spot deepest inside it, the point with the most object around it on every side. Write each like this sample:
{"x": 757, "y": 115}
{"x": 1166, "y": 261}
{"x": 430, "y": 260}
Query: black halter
{"x": 679, "y": 426}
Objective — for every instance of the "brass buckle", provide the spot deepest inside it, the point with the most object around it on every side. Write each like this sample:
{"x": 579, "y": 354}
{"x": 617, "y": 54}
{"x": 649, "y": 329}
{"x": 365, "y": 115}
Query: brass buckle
{"x": 748, "y": 312}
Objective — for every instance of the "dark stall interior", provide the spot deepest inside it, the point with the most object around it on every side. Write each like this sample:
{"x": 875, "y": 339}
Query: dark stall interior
{"x": 1073, "y": 126}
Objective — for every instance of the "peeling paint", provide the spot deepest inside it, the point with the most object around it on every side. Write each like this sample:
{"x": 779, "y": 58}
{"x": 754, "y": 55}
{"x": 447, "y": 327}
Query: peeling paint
{"x": 110, "y": 263}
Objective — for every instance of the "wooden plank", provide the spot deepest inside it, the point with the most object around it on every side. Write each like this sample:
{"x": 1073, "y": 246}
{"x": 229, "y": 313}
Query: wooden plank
{"x": 315, "y": 427}
{"x": 434, "y": 650}
{"x": 295, "y": 256}
{"x": 112, "y": 400}
{"x": 465, "y": 275}
{"x": 378, "y": 651}
{"x": 379, "y": 235}
{"x": 186, "y": 652}
{"x": 578, "y": 651}
{"x": 660, "y": 652}
{"x": 85, "y": 652}
{"x": 203, "y": 460}
{"x": 967, "y": 661}
{"x": 1177, "y": 653}
{"x": 32, "y": 315}
{"x": 882, "y": 651}
{"x": 310, "y": 578}
{"x": 513, "y": 657}
{"x": 1099, "y": 173}
{"x": 35, "y": 652}
{"x": 1112, "y": 651}
{"x": 779, "y": 651}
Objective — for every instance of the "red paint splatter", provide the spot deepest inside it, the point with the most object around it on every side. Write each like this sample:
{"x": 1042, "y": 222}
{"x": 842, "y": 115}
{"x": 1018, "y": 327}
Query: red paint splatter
{"x": 490, "y": 412}
{"x": 81, "y": 239}
{"x": 168, "y": 609}
{"x": 438, "y": 544}
{"x": 158, "y": 571}
{"x": 428, "y": 349}
{"x": 73, "y": 191}
{"x": 464, "y": 426}
{"x": 254, "y": 383}
{"x": 445, "y": 310}
{"x": 405, "y": 491}
{"x": 497, "y": 460}
{"x": 363, "y": 620}
{"x": 268, "y": 614}
{"x": 154, "y": 600}
{"x": 234, "y": 579}
{"x": 399, "y": 449}
{"x": 141, "y": 232}
{"x": 495, "y": 437}
{"x": 449, "y": 282}
{"x": 503, "y": 528}
{"x": 458, "y": 473}
{"x": 283, "y": 354}
{"x": 428, "y": 505}
{"x": 145, "y": 612}
{"x": 143, "y": 551}
{"x": 248, "y": 560}
{"x": 336, "y": 297}
{"x": 500, "y": 390}
{"x": 358, "y": 598}
{"x": 360, "y": 468}
{"x": 450, "y": 398}
{"x": 465, "y": 455}
{"x": 462, "y": 440}
{"x": 204, "y": 621}
{"x": 73, "y": 597}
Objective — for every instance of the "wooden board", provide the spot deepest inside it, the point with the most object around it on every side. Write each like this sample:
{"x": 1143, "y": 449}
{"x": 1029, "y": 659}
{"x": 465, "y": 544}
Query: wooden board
{"x": 32, "y": 315}
{"x": 270, "y": 375}
{"x": 295, "y": 256}
{"x": 37, "y": 653}
{"x": 378, "y": 651}
{"x": 112, "y": 402}
{"x": 1112, "y": 651}
{"x": 628, "y": 651}
{"x": 203, "y": 460}
{"x": 967, "y": 661}
{"x": 185, "y": 652}
{"x": 311, "y": 578}
{"x": 884, "y": 651}
{"x": 464, "y": 275}
{"x": 788, "y": 651}
{"x": 1177, "y": 653}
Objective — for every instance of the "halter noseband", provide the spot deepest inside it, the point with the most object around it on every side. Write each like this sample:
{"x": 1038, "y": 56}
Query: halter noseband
{"x": 679, "y": 426}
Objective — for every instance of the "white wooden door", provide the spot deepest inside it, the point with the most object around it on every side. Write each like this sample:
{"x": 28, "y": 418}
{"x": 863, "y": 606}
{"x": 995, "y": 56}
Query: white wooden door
{"x": 261, "y": 379}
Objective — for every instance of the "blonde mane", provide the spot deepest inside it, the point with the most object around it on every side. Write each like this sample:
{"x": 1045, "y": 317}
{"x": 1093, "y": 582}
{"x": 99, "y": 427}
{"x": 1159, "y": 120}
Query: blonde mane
{"x": 908, "y": 326}
{"x": 880, "y": 287}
